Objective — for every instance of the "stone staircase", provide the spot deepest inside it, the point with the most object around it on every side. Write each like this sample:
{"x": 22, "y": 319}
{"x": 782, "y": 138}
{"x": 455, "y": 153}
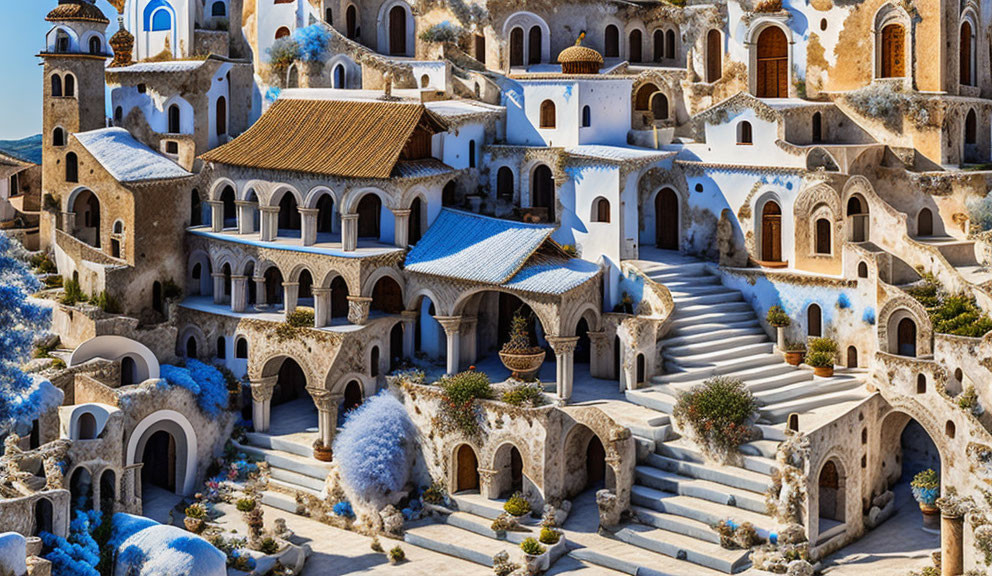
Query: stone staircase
{"x": 678, "y": 495}
{"x": 292, "y": 469}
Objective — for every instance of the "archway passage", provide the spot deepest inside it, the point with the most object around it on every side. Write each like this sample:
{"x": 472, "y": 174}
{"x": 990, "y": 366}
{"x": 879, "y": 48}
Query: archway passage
{"x": 666, "y": 219}
{"x": 893, "y": 57}
{"x": 387, "y": 296}
{"x": 773, "y": 64}
{"x": 543, "y": 193}
{"x": 771, "y": 232}
{"x": 353, "y": 397}
{"x": 159, "y": 461}
{"x": 108, "y": 491}
{"x": 906, "y": 337}
{"x": 595, "y": 464}
{"x": 397, "y": 31}
{"x": 857, "y": 213}
{"x": 369, "y": 209}
{"x": 466, "y": 469}
{"x": 831, "y": 495}
{"x": 87, "y": 426}
{"x": 634, "y": 48}
{"x": 273, "y": 286}
{"x": 87, "y": 209}
{"x": 81, "y": 488}
{"x": 43, "y": 514}
{"x": 291, "y": 383}
{"x": 339, "y": 298}
{"x": 924, "y": 223}
{"x": 905, "y": 449}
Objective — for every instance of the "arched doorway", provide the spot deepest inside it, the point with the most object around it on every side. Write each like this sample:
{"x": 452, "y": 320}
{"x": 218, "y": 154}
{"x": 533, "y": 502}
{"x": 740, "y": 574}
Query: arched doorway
{"x": 611, "y": 42}
{"x": 906, "y": 337}
{"x": 517, "y": 47}
{"x": 108, "y": 491}
{"x": 43, "y": 513}
{"x": 583, "y": 348}
{"x": 543, "y": 193}
{"x": 666, "y": 219}
{"x": 339, "y": 298}
{"x": 191, "y": 349}
{"x": 773, "y": 64}
{"x": 634, "y": 48}
{"x": 230, "y": 210}
{"x": 893, "y": 56}
{"x": 81, "y": 488}
{"x": 814, "y": 321}
{"x": 714, "y": 56}
{"x": 466, "y": 469}
{"x": 659, "y": 106}
{"x": 353, "y": 396}
{"x": 595, "y": 464}
{"x": 159, "y": 461}
{"x": 291, "y": 383}
{"x": 771, "y": 232}
{"x": 273, "y": 286}
{"x": 387, "y": 296}
{"x": 924, "y": 223}
{"x": 831, "y": 495}
{"x": 397, "y": 31}
{"x": 905, "y": 449}
{"x": 415, "y": 225}
{"x": 509, "y": 467}
{"x": 87, "y": 209}
{"x": 87, "y": 426}
{"x": 369, "y": 209}
{"x": 534, "y": 42}
{"x": 289, "y": 216}
{"x": 857, "y": 214}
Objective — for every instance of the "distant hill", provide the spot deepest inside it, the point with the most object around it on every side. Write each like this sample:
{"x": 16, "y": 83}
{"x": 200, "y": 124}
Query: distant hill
{"x": 28, "y": 149}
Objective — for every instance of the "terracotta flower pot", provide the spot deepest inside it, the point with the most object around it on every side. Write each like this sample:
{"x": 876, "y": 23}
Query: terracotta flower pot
{"x": 523, "y": 366}
{"x": 194, "y": 525}
{"x": 323, "y": 454}
{"x": 824, "y": 371}
{"x": 931, "y": 516}
{"x": 794, "y": 357}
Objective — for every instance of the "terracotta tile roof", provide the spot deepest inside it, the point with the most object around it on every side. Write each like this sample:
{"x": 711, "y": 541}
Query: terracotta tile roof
{"x": 79, "y": 10}
{"x": 348, "y": 138}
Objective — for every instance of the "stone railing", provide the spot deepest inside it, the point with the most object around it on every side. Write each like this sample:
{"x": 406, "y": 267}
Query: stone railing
{"x": 79, "y": 250}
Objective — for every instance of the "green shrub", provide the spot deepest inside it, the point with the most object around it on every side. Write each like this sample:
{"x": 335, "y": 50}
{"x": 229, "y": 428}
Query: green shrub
{"x": 396, "y": 555}
{"x": 968, "y": 400}
{"x": 531, "y": 547}
{"x": 300, "y": 318}
{"x": 956, "y": 314}
{"x": 795, "y": 346}
{"x": 777, "y": 317}
{"x": 44, "y": 350}
{"x": 719, "y": 413}
{"x": 517, "y": 505}
{"x": 443, "y": 32}
{"x": 198, "y": 511}
{"x": 52, "y": 281}
{"x": 524, "y": 394}
{"x": 43, "y": 264}
{"x": 436, "y": 493}
{"x": 504, "y": 523}
{"x": 245, "y": 504}
{"x": 106, "y": 302}
{"x": 466, "y": 386}
{"x": 268, "y": 545}
{"x": 72, "y": 293}
{"x": 549, "y": 536}
{"x": 822, "y": 352}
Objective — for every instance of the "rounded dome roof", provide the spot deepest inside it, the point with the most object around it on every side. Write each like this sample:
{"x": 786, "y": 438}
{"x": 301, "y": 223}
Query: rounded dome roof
{"x": 78, "y": 10}
{"x": 577, "y": 53}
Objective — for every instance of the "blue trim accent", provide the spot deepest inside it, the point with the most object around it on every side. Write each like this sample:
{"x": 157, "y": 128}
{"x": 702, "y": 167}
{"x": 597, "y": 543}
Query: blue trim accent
{"x": 158, "y": 23}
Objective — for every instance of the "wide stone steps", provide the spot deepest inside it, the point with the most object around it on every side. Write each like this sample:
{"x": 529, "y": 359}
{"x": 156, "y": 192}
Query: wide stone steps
{"x": 619, "y": 556}
{"x": 776, "y": 413}
{"x": 706, "y": 315}
{"x": 703, "y": 338}
{"x": 695, "y": 355}
{"x": 695, "y": 508}
{"x": 706, "y": 328}
{"x": 698, "y": 311}
{"x": 722, "y": 367}
{"x": 685, "y": 463}
{"x": 575, "y": 567}
{"x": 806, "y": 388}
{"x": 653, "y": 398}
{"x": 288, "y": 461}
{"x": 675, "y": 483}
{"x": 763, "y": 449}
{"x": 684, "y": 548}
{"x": 715, "y": 298}
{"x": 290, "y": 477}
{"x": 280, "y": 501}
{"x": 682, "y": 291}
{"x": 266, "y": 441}
{"x": 767, "y": 375}
{"x": 677, "y": 524}
{"x": 457, "y": 542}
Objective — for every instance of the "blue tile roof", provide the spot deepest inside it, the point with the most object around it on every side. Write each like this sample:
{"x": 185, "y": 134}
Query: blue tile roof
{"x": 477, "y": 248}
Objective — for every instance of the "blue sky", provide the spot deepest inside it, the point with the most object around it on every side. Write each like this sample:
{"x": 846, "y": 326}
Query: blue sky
{"x": 22, "y": 36}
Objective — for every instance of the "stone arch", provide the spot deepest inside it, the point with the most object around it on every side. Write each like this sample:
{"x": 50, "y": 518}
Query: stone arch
{"x": 198, "y": 280}
{"x": 114, "y": 348}
{"x": 464, "y": 468}
{"x": 812, "y": 205}
{"x": 769, "y": 45}
{"x": 767, "y": 228}
{"x": 967, "y": 48}
{"x": 417, "y": 293}
{"x": 88, "y": 421}
{"x": 190, "y": 334}
{"x": 511, "y": 460}
{"x": 889, "y": 317}
{"x": 280, "y": 190}
{"x": 525, "y": 21}
{"x": 585, "y": 459}
{"x": 81, "y": 486}
{"x": 315, "y": 194}
{"x": 544, "y": 315}
{"x": 893, "y": 42}
{"x": 396, "y": 28}
{"x": 185, "y": 438}
{"x": 218, "y": 186}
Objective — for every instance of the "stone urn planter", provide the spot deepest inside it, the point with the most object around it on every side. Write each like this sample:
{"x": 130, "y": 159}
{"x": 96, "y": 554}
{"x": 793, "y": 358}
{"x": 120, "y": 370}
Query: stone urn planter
{"x": 931, "y": 517}
{"x": 523, "y": 366}
{"x": 322, "y": 453}
{"x": 926, "y": 490}
{"x": 536, "y": 557}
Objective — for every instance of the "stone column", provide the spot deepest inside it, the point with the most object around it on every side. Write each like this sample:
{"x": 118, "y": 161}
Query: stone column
{"x": 951, "y": 545}
{"x": 327, "y": 411}
{"x": 564, "y": 348}
{"x": 600, "y": 360}
{"x": 261, "y": 398}
{"x": 268, "y": 223}
{"x": 308, "y": 226}
{"x": 488, "y": 487}
{"x": 358, "y": 309}
{"x": 409, "y": 332}
{"x": 321, "y": 307}
{"x": 69, "y": 223}
{"x": 401, "y": 232}
{"x": 468, "y": 333}
{"x": 349, "y": 232}
{"x": 216, "y": 215}
{"x": 452, "y": 327}
{"x": 239, "y": 293}
{"x": 290, "y": 291}
{"x": 260, "y": 296}
{"x": 246, "y": 219}
{"x": 218, "y": 287}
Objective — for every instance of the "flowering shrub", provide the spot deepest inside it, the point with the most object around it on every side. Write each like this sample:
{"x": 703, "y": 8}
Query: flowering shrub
{"x": 78, "y": 555}
{"x": 524, "y": 395}
{"x": 343, "y": 508}
{"x": 443, "y": 32}
{"x": 517, "y": 505}
{"x": 926, "y": 487}
{"x": 283, "y": 52}
{"x": 22, "y": 323}
{"x": 374, "y": 448}
{"x": 719, "y": 413}
{"x": 312, "y": 42}
{"x": 203, "y": 380}
{"x": 458, "y": 409}
{"x": 822, "y": 352}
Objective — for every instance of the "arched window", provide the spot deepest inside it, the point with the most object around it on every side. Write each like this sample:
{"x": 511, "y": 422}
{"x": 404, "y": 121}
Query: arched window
{"x": 351, "y": 21}
{"x": 543, "y": 190}
{"x": 96, "y": 46}
{"x": 611, "y": 42}
{"x": 586, "y": 117}
{"x": 282, "y": 32}
{"x": 339, "y": 78}
{"x": 517, "y": 46}
{"x": 600, "y": 210}
{"x": 504, "y": 183}
{"x": 241, "y": 348}
{"x": 862, "y": 270}
{"x": 221, "y": 116}
{"x": 970, "y": 128}
{"x": 658, "y": 45}
{"x": 218, "y": 10}
{"x": 714, "y": 56}
{"x": 61, "y": 42}
{"x": 924, "y": 223}
{"x": 397, "y": 31}
{"x": 822, "y": 236}
{"x": 174, "y": 118}
{"x": 425, "y": 81}
{"x": 58, "y": 137}
{"x": 70, "y": 86}
{"x": 471, "y": 153}
{"x": 118, "y": 116}
{"x": 817, "y": 127}
{"x": 814, "y": 321}
{"x": 535, "y": 45}
{"x": 634, "y": 47}
{"x": 71, "y": 167}
{"x": 744, "y": 135}
{"x": 965, "y": 61}
{"x": 670, "y": 44}
{"x": 221, "y": 348}
{"x": 659, "y": 106}
{"x": 893, "y": 51}
{"x": 642, "y": 98}
{"x": 56, "y": 85}
{"x": 161, "y": 20}
{"x": 547, "y": 114}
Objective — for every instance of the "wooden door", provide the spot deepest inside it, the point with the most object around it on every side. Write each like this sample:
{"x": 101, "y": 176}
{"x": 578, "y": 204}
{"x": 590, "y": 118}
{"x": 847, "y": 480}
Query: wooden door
{"x": 773, "y": 64}
{"x": 666, "y": 217}
{"x": 714, "y": 56}
{"x": 397, "y": 31}
{"x": 480, "y": 48}
{"x": 906, "y": 337}
{"x": 467, "y": 477}
{"x": 517, "y": 47}
{"x": 924, "y": 225}
{"x": 771, "y": 233}
{"x": 893, "y": 51}
{"x": 534, "y": 45}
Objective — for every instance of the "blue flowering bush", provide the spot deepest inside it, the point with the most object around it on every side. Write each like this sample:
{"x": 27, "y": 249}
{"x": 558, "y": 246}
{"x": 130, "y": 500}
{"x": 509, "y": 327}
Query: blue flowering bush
{"x": 926, "y": 487}
{"x": 79, "y": 554}
{"x": 344, "y": 509}
{"x": 374, "y": 449}
{"x": 21, "y": 322}
{"x": 206, "y": 382}
{"x": 312, "y": 42}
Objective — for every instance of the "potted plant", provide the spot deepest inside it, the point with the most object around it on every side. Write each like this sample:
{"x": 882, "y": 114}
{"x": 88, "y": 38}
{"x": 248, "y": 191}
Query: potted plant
{"x": 517, "y": 506}
{"x": 926, "y": 490}
{"x": 321, "y": 452}
{"x": 518, "y": 355}
{"x": 821, "y": 355}
{"x": 196, "y": 518}
{"x": 535, "y": 555}
{"x": 794, "y": 352}
{"x": 777, "y": 317}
